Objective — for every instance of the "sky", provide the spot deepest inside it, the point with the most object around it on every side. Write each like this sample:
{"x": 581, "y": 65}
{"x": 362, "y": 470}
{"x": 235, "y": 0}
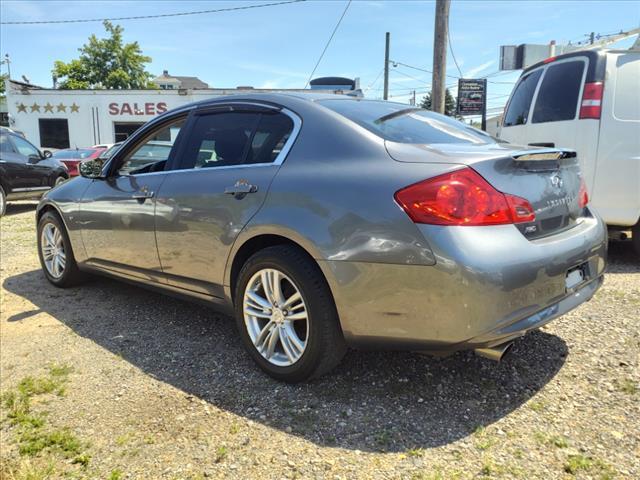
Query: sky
{"x": 278, "y": 46}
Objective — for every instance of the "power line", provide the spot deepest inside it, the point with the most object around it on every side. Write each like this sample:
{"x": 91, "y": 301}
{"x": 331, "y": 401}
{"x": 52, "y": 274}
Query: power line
{"x": 452, "y": 54}
{"x": 144, "y": 17}
{"x": 372, "y": 84}
{"x": 335, "y": 29}
{"x": 412, "y": 77}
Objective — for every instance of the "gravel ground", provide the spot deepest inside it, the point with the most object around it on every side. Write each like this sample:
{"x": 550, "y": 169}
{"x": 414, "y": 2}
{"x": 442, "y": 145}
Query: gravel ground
{"x": 125, "y": 383}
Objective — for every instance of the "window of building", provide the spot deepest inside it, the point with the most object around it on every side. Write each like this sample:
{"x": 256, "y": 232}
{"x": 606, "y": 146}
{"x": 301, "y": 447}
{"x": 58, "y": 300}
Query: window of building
{"x": 123, "y": 130}
{"x": 558, "y": 96}
{"x": 520, "y": 103}
{"x": 54, "y": 132}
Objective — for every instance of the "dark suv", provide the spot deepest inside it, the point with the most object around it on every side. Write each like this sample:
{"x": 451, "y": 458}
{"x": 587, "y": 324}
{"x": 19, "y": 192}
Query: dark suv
{"x": 25, "y": 171}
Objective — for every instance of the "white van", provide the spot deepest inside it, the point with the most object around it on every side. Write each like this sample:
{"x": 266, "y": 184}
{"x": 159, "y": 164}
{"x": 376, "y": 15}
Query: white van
{"x": 588, "y": 101}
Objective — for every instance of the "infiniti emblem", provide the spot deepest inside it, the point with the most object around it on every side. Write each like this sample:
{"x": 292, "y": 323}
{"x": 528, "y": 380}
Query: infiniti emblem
{"x": 556, "y": 180}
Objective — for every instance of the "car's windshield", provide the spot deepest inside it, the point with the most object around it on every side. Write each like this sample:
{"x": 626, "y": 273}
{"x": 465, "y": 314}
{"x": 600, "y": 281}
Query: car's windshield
{"x": 73, "y": 154}
{"x": 397, "y": 123}
{"x": 111, "y": 150}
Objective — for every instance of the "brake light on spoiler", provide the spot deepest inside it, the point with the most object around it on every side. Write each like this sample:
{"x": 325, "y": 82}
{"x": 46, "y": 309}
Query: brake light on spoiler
{"x": 462, "y": 197}
{"x": 591, "y": 105}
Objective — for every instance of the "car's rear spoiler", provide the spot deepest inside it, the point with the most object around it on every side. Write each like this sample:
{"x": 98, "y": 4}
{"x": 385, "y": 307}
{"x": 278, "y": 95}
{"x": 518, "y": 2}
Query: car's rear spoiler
{"x": 542, "y": 154}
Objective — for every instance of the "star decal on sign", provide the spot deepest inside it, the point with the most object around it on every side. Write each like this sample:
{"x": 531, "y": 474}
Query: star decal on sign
{"x": 35, "y": 107}
{"x": 61, "y": 108}
{"x": 74, "y": 108}
{"x": 48, "y": 108}
{"x": 22, "y": 108}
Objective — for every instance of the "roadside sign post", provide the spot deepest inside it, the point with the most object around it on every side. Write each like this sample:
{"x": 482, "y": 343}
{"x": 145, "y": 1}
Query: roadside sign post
{"x": 472, "y": 98}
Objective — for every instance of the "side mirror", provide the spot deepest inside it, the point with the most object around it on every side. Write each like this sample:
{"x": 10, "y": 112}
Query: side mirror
{"x": 92, "y": 168}
{"x": 34, "y": 158}
{"x": 47, "y": 154}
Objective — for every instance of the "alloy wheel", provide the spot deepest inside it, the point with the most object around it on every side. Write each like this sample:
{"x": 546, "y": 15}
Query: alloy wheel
{"x": 276, "y": 317}
{"x": 53, "y": 252}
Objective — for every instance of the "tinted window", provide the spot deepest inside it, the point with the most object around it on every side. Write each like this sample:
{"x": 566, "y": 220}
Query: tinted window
{"x": 558, "y": 96}
{"x": 24, "y": 147}
{"x": 54, "y": 132}
{"x": 152, "y": 153}
{"x": 220, "y": 139}
{"x": 520, "y": 103}
{"x": 272, "y": 133}
{"x": 5, "y": 144}
{"x": 397, "y": 123}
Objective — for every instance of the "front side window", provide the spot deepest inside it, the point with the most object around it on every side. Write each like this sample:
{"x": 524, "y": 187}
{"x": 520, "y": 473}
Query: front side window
{"x": 152, "y": 153}
{"x": 520, "y": 103}
{"x": 558, "y": 96}
{"x": 25, "y": 148}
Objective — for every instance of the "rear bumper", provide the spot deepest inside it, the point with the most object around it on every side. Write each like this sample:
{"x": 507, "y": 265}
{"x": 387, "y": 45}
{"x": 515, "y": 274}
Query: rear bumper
{"x": 489, "y": 285}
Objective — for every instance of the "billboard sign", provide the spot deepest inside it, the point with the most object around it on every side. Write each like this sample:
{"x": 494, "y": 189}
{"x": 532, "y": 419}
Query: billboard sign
{"x": 472, "y": 96}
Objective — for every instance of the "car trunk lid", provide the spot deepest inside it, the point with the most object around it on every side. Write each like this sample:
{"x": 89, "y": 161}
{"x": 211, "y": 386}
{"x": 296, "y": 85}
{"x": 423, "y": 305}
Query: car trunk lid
{"x": 549, "y": 179}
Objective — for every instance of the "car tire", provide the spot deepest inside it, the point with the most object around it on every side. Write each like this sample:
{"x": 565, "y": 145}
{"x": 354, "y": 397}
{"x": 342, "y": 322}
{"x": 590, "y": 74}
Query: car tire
{"x": 635, "y": 238}
{"x": 53, "y": 240}
{"x": 315, "y": 343}
{"x": 3, "y": 202}
{"x": 60, "y": 180}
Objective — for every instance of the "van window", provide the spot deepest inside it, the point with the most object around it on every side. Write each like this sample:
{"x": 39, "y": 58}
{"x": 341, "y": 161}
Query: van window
{"x": 627, "y": 100}
{"x": 518, "y": 109}
{"x": 558, "y": 96}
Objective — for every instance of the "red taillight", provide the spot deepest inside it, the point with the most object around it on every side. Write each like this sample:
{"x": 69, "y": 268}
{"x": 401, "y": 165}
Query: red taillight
{"x": 583, "y": 196}
{"x": 591, "y": 105}
{"x": 462, "y": 197}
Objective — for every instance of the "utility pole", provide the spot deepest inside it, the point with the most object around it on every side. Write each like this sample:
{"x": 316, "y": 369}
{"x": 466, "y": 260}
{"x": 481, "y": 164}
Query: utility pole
{"x": 592, "y": 38}
{"x": 385, "y": 95}
{"x": 413, "y": 98}
{"x": 440, "y": 34}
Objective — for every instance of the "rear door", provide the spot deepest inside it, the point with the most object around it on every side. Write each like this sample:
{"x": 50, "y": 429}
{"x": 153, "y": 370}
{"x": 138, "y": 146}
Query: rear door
{"x": 226, "y": 165}
{"x": 616, "y": 190}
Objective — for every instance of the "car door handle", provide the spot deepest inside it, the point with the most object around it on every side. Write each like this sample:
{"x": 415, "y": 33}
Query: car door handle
{"x": 143, "y": 194}
{"x": 241, "y": 188}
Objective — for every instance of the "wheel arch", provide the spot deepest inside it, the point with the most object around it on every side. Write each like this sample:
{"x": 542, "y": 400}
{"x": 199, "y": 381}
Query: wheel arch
{"x": 245, "y": 248}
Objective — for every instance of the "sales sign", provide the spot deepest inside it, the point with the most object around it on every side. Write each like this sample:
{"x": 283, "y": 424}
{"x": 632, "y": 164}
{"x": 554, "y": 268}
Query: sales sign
{"x": 472, "y": 96}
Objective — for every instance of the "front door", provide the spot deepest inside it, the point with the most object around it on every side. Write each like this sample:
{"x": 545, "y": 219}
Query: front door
{"x": 117, "y": 213}
{"x": 226, "y": 165}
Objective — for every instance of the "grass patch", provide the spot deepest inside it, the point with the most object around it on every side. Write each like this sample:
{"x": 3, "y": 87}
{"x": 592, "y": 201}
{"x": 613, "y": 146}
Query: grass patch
{"x": 483, "y": 440}
{"x": 628, "y": 386}
{"x": 32, "y": 435}
{"x": 116, "y": 474}
{"x": 221, "y": 454}
{"x": 575, "y": 463}
{"x": 558, "y": 441}
{"x": 538, "y": 406}
{"x": 415, "y": 452}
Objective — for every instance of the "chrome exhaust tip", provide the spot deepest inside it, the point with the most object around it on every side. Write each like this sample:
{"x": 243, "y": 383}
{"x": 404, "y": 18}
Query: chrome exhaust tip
{"x": 494, "y": 353}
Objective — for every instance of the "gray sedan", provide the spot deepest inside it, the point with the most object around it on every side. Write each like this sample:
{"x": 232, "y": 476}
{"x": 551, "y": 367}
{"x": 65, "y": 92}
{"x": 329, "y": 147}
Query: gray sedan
{"x": 323, "y": 222}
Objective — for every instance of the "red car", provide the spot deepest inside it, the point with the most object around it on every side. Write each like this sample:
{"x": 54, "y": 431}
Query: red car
{"x": 72, "y": 157}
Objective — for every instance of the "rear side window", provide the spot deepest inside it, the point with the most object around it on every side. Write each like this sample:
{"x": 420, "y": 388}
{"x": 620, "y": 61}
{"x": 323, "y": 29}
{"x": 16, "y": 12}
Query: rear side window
{"x": 397, "y": 123}
{"x": 520, "y": 103}
{"x": 627, "y": 100}
{"x": 5, "y": 144}
{"x": 236, "y": 138}
{"x": 558, "y": 96}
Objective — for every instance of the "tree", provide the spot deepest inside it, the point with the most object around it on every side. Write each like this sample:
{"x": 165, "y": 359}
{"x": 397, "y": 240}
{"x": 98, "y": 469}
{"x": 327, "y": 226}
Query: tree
{"x": 3, "y": 78}
{"x": 449, "y": 103}
{"x": 105, "y": 63}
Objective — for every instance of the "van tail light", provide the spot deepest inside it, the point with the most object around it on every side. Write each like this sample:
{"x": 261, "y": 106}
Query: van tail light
{"x": 462, "y": 197}
{"x": 583, "y": 196}
{"x": 591, "y": 105}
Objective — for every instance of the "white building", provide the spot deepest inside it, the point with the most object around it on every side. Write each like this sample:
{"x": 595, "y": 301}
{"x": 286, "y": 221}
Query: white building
{"x": 56, "y": 119}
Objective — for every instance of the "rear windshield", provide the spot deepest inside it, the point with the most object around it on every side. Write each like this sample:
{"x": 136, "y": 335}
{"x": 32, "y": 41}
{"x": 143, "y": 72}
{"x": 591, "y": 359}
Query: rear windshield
{"x": 73, "y": 154}
{"x": 398, "y": 122}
